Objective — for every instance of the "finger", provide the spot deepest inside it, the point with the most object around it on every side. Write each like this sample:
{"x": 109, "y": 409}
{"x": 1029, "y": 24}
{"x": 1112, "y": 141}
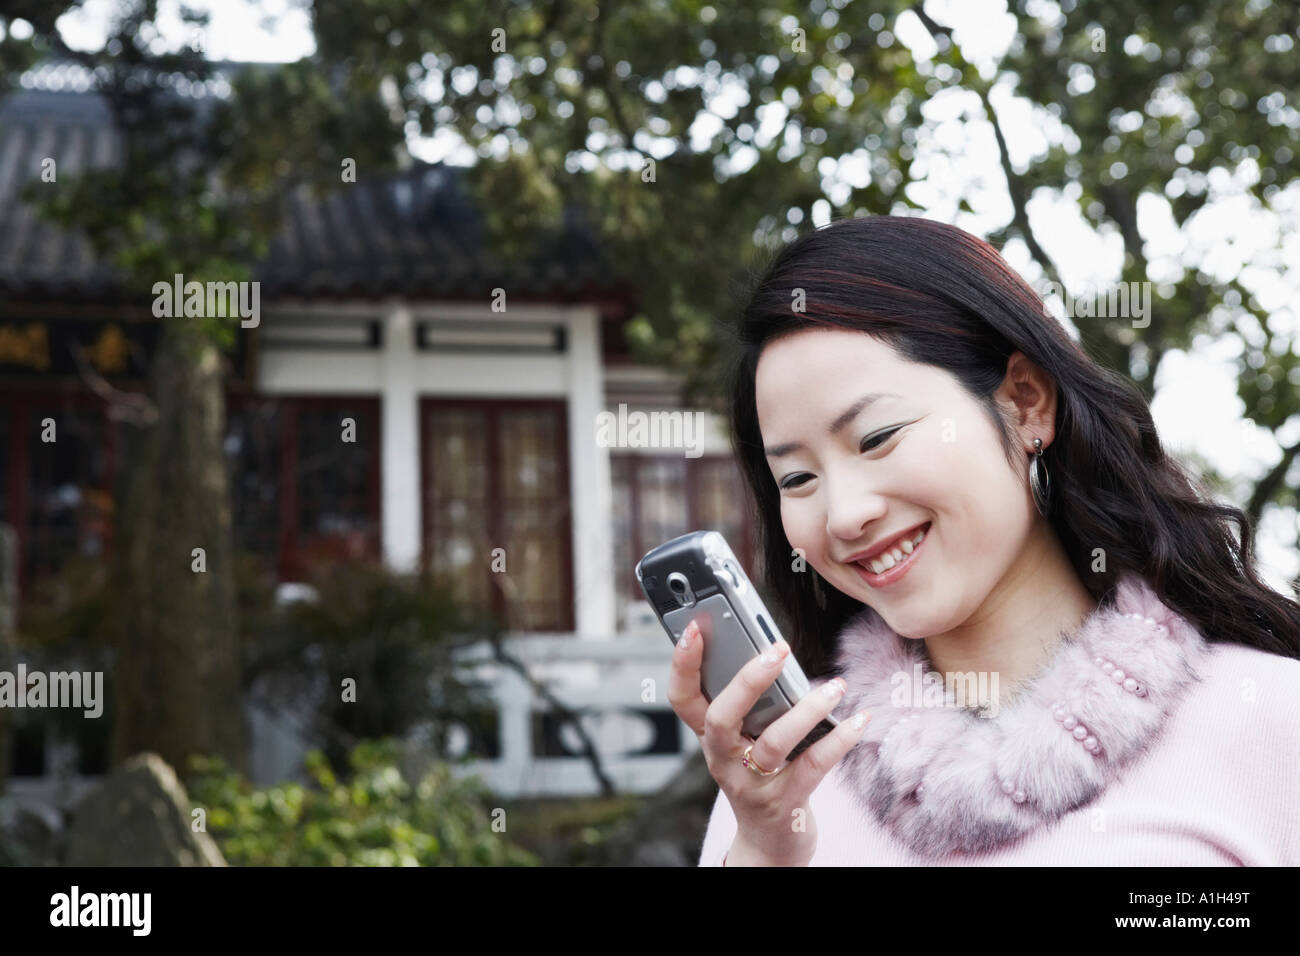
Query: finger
{"x": 815, "y": 762}
{"x": 726, "y": 715}
{"x": 685, "y": 694}
{"x": 784, "y": 734}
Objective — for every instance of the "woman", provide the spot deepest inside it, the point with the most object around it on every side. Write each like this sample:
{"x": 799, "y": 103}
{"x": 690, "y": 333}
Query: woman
{"x": 951, "y": 494}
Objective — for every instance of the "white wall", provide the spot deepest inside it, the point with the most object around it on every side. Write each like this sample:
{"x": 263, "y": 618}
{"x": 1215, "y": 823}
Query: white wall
{"x": 400, "y": 375}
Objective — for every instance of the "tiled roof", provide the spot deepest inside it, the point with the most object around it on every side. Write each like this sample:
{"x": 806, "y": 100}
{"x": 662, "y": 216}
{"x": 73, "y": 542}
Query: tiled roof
{"x": 39, "y": 260}
{"x": 414, "y": 233}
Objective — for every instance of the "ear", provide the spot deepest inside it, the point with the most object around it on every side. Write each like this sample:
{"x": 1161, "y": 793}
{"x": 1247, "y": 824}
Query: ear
{"x": 1028, "y": 396}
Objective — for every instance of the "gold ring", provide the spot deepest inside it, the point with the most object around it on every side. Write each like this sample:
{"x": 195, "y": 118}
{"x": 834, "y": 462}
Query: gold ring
{"x": 748, "y": 761}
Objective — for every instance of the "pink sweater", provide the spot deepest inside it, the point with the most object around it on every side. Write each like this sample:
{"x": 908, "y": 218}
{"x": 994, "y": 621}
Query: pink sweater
{"x": 1217, "y": 784}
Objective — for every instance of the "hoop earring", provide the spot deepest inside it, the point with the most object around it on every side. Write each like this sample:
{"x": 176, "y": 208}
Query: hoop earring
{"x": 1039, "y": 483}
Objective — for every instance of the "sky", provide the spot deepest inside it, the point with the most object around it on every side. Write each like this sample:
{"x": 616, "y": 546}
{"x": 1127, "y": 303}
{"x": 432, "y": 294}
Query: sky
{"x": 1196, "y": 407}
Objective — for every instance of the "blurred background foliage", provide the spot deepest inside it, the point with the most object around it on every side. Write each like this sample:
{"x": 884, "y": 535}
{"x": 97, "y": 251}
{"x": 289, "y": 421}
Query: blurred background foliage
{"x": 391, "y": 634}
{"x": 1147, "y": 101}
{"x": 372, "y": 817}
{"x": 367, "y": 796}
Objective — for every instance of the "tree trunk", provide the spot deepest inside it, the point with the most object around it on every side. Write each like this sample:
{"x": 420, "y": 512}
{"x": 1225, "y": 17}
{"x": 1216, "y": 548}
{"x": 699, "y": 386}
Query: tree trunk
{"x": 177, "y": 662}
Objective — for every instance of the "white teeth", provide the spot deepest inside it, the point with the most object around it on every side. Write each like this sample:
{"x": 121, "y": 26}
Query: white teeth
{"x": 896, "y": 555}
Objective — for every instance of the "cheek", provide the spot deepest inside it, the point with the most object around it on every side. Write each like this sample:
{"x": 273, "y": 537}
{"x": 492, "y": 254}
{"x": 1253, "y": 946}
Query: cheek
{"x": 981, "y": 498}
{"x": 804, "y": 525}
{"x": 958, "y": 474}
{"x": 930, "y": 475}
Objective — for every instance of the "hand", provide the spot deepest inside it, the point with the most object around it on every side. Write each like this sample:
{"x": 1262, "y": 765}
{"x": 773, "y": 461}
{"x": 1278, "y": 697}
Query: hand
{"x": 764, "y": 806}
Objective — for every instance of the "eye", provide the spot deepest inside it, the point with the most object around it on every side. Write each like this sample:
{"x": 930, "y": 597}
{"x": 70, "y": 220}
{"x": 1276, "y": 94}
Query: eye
{"x": 870, "y": 443}
{"x": 879, "y": 438}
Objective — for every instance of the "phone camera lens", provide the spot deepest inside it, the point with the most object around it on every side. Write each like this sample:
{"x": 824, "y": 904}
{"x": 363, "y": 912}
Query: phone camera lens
{"x": 681, "y": 587}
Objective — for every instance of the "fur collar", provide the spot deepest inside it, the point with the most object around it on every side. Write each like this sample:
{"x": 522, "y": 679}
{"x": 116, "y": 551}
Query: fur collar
{"x": 949, "y": 779}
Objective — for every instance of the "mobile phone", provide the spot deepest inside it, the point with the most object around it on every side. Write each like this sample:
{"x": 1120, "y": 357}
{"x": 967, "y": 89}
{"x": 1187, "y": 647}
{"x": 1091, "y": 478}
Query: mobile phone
{"x": 697, "y": 575}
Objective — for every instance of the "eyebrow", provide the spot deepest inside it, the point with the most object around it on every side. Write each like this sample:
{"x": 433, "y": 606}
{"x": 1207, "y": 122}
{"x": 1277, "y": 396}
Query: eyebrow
{"x": 843, "y": 419}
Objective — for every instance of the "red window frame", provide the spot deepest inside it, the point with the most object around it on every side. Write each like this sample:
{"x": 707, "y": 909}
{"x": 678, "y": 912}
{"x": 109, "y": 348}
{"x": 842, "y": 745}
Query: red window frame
{"x": 293, "y": 550}
{"x": 17, "y": 403}
{"x": 493, "y": 407}
{"x": 744, "y": 546}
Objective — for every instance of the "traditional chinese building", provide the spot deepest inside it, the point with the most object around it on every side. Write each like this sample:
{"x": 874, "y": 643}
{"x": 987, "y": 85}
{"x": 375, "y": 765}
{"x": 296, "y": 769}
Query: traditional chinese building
{"x": 474, "y": 428}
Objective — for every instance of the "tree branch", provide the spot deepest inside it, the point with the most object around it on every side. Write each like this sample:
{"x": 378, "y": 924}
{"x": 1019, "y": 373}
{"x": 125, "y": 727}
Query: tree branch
{"x": 565, "y": 712}
{"x": 1268, "y": 485}
{"x": 1015, "y": 185}
{"x": 132, "y": 407}
{"x": 936, "y": 29}
{"x": 601, "y": 74}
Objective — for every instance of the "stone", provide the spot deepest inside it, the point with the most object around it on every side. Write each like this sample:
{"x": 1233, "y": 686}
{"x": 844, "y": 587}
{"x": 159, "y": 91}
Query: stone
{"x": 139, "y": 816}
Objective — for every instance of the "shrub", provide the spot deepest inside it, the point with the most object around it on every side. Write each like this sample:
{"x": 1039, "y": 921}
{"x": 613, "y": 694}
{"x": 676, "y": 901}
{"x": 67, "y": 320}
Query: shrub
{"x": 394, "y": 634}
{"x": 374, "y": 818}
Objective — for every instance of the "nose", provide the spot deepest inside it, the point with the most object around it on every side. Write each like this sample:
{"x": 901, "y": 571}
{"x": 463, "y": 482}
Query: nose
{"x": 851, "y": 509}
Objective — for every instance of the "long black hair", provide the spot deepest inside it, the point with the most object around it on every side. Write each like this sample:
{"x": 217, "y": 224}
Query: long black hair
{"x": 940, "y": 296}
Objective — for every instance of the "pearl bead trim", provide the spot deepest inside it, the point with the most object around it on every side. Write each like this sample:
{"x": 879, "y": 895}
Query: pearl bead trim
{"x": 944, "y": 794}
{"x": 884, "y": 742}
{"x": 1071, "y": 723}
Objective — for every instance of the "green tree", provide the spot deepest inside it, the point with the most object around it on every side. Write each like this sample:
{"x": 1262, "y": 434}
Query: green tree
{"x": 200, "y": 190}
{"x": 750, "y": 113}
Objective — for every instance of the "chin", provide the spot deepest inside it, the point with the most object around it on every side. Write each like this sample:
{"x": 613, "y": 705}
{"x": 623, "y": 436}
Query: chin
{"x": 908, "y": 630}
{"x": 911, "y": 628}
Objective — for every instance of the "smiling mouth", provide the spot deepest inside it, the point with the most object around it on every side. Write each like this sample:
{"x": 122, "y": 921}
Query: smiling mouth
{"x": 896, "y": 555}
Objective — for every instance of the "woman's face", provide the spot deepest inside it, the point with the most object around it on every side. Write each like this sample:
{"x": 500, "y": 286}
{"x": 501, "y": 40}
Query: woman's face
{"x": 854, "y": 474}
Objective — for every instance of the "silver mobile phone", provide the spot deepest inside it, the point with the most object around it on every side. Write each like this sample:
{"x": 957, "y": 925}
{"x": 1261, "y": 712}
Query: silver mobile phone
{"x": 697, "y": 575}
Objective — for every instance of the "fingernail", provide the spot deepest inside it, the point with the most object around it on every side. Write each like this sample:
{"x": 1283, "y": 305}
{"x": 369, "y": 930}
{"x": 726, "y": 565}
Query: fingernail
{"x": 779, "y": 650}
{"x": 860, "y": 720}
{"x": 685, "y": 640}
{"x": 833, "y": 688}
